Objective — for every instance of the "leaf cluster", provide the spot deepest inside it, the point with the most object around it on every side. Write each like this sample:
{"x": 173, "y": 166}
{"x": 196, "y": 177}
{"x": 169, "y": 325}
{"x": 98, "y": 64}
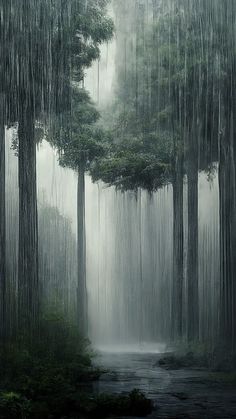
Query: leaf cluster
{"x": 80, "y": 140}
{"x": 135, "y": 163}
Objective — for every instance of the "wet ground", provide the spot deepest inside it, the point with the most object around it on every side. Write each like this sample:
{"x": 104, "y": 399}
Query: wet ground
{"x": 176, "y": 394}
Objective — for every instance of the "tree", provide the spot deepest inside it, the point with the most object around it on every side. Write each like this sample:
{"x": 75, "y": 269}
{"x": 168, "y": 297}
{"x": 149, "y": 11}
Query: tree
{"x": 2, "y": 224}
{"x": 135, "y": 163}
{"x": 170, "y": 94}
{"x": 148, "y": 109}
{"x": 49, "y": 44}
{"x": 227, "y": 173}
{"x": 6, "y": 114}
{"x": 77, "y": 142}
{"x": 77, "y": 148}
{"x": 32, "y": 23}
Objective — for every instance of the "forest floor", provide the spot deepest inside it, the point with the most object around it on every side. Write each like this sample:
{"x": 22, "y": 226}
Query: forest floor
{"x": 176, "y": 393}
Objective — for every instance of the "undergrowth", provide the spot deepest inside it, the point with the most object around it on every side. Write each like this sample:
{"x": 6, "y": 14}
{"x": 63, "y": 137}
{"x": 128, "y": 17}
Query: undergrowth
{"x": 46, "y": 378}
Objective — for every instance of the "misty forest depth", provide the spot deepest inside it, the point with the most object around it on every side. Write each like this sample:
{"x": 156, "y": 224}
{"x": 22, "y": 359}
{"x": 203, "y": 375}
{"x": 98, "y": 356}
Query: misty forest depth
{"x": 117, "y": 209}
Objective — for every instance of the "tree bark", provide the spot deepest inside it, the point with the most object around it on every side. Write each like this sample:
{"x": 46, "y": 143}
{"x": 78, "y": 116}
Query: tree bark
{"x": 28, "y": 284}
{"x": 178, "y": 250}
{"x": 2, "y": 235}
{"x": 81, "y": 243}
{"x": 192, "y": 258}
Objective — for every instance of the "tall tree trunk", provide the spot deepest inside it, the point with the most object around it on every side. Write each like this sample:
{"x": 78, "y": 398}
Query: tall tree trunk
{"x": 227, "y": 188}
{"x": 178, "y": 250}
{"x": 28, "y": 284}
{"x": 192, "y": 257}
{"x": 2, "y": 234}
{"x": 81, "y": 240}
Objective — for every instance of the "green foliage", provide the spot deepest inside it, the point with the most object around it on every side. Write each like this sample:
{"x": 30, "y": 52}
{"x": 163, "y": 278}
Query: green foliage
{"x": 81, "y": 140}
{"x": 14, "y": 406}
{"x": 48, "y": 370}
{"x": 133, "y": 404}
{"x": 90, "y": 27}
{"x": 136, "y": 162}
{"x": 169, "y": 86}
{"x": 58, "y": 345}
{"x": 43, "y": 379}
{"x": 76, "y": 30}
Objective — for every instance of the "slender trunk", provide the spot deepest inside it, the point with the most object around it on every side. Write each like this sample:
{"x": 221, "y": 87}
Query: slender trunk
{"x": 192, "y": 259}
{"x": 81, "y": 240}
{"x": 28, "y": 283}
{"x": 2, "y": 235}
{"x": 141, "y": 326}
{"x": 178, "y": 251}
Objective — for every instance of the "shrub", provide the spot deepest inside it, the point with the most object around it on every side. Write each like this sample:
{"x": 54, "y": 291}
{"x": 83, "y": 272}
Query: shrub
{"x": 133, "y": 404}
{"x": 14, "y": 406}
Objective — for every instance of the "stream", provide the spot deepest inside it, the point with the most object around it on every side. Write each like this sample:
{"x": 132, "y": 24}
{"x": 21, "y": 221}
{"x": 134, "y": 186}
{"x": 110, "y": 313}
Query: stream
{"x": 182, "y": 393}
